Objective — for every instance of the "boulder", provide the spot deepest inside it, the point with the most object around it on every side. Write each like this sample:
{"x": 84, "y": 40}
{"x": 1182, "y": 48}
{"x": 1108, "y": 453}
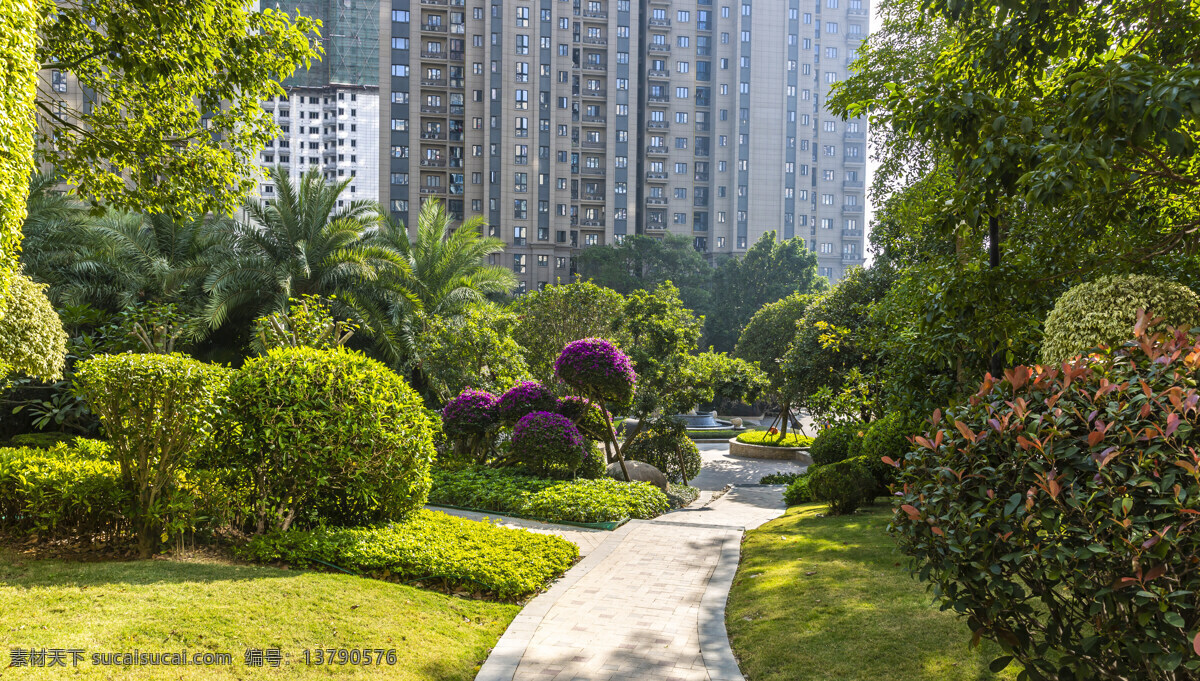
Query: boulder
{"x": 638, "y": 472}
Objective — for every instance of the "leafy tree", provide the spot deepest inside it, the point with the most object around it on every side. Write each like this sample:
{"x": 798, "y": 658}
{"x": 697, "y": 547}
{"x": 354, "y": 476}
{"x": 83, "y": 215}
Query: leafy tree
{"x": 766, "y": 340}
{"x": 472, "y": 350}
{"x": 662, "y": 335}
{"x": 834, "y": 336}
{"x": 299, "y": 243}
{"x": 175, "y": 122}
{"x": 18, "y": 84}
{"x": 549, "y": 319}
{"x": 770, "y": 270}
{"x": 643, "y": 263}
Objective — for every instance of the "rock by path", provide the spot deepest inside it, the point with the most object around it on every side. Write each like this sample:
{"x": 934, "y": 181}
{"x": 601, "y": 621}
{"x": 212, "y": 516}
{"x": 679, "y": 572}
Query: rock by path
{"x": 648, "y": 603}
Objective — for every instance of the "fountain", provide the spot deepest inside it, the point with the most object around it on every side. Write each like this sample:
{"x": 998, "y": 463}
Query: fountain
{"x": 704, "y": 421}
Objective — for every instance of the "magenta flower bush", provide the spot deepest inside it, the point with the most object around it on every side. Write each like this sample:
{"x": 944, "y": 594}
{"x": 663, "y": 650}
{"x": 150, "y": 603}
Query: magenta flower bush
{"x": 588, "y": 416}
{"x": 596, "y": 367}
{"x": 548, "y": 443}
{"x": 524, "y": 398}
{"x": 470, "y": 413}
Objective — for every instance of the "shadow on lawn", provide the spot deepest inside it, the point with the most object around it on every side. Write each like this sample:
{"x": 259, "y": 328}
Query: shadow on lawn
{"x": 17, "y": 572}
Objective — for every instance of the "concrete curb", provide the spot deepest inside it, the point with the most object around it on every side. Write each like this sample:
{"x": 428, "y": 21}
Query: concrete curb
{"x": 796, "y": 454}
{"x": 714, "y": 639}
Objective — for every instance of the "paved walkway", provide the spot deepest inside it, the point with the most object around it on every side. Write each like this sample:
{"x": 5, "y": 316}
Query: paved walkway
{"x": 647, "y": 603}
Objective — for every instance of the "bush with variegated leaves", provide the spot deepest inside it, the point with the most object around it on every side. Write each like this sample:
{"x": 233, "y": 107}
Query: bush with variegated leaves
{"x": 1058, "y": 509}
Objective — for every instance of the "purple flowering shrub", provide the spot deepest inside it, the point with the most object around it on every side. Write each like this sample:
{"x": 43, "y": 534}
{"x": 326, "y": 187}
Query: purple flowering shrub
{"x": 548, "y": 443}
{"x": 596, "y": 367}
{"x": 524, "y": 398}
{"x": 589, "y": 417}
{"x": 472, "y": 412}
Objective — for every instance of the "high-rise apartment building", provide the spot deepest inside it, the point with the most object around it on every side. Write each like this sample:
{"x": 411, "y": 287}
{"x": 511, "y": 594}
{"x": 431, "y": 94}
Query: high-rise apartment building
{"x": 572, "y": 123}
{"x": 330, "y": 117}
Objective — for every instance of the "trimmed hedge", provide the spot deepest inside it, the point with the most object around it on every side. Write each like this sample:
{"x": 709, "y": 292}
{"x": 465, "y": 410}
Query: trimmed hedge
{"x": 837, "y": 443}
{"x": 799, "y": 491}
{"x": 658, "y": 446}
{"x": 844, "y": 485}
{"x": 763, "y": 437}
{"x": 330, "y": 435}
{"x": 61, "y": 492}
{"x": 506, "y": 490}
{"x": 429, "y": 546}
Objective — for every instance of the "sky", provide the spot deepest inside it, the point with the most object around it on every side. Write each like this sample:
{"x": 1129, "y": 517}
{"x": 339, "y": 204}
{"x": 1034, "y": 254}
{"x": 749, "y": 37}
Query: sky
{"x": 871, "y": 164}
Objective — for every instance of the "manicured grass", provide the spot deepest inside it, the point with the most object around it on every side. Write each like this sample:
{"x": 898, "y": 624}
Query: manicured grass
{"x": 831, "y": 598}
{"x": 208, "y": 606}
{"x": 762, "y": 437}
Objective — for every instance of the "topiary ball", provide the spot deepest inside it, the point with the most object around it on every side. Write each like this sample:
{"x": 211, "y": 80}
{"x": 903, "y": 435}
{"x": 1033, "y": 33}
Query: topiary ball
{"x": 660, "y": 447}
{"x": 548, "y": 443}
{"x": 588, "y": 416}
{"x": 837, "y": 443}
{"x": 524, "y": 398}
{"x": 596, "y": 367}
{"x": 1103, "y": 312}
{"x": 470, "y": 413}
{"x": 844, "y": 485}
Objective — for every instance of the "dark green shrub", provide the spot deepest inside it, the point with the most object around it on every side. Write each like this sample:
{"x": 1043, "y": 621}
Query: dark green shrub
{"x": 1103, "y": 312}
{"x": 844, "y": 485}
{"x": 61, "y": 492}
{"x": 889, "y": 435}
{"x": 660, "y": 444}
{"x": 43, "y": 440}
{"x": 1056, "y": 508}
{"x": 429, "y": 546}
{"x": 330, "y": 433}
{"x": 506, "y": 490}
{"x": 548, "y": 444}
{"x": 595, "y": 462}
{"x": 590, "y": 418}
{"x": 159, "y": 414}
{"x": 836, "y": 443}
{"x": 781, "y": 478}
{"x": 799, "y": 491}
{"x": 768, "y": 439}
{"x": 883, "y": 475}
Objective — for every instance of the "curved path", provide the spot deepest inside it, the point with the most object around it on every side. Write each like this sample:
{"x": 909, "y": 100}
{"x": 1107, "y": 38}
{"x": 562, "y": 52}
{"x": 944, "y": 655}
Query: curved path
{"x": 648, "y": 602}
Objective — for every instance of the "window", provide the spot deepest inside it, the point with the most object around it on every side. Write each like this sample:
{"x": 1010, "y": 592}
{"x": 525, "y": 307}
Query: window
{"x": 543, "y": 261}
{"x": 519, "y": 264}
{"x": 521, "y": 154}
{"x": 399, "y": 178}
{"x": 522, "y": 17}
{"x": 522, "y": 44}
{"x": 399, "y": 43}
{"x": 683, "y": 16}
{"x": 520, "y": 182}
{"x": 826, "y": 248}
{"x": 680, "y": 218}
{"x": 682, "y": 66}
{"x": 400, "y": 16}
{"x": 827, "y": 199}
{"x": 831, "y": 27}
{"x": 681, "y": 93}
{"x": 400, "y": 70}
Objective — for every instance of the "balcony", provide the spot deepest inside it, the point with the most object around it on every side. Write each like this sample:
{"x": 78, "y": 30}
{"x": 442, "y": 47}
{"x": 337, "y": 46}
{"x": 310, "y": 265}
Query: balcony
{"x": 851, "y": 233}
{"x": 440, "y": 3}
{"x": 432, "y": 190}
{"x": 851, "y": 258}
{"x": 658, "y": 73}
{"x": 433, "y": 82}
{"x": 433, "y": 109}
{"x": 595, "y": 119}
{"x": 656, "y": 201}
{"x": 595, "y": 172}
{"x": 655, "y": 175}
{"x": 852, "y": 184}
{"x": 594, "y": 198}
{"x": 852, "y": 210}
{"x": 600, "y": 146}
{"x": 434, "y": 55}
{"x": 658, "y": 125}
{"x": 592, "y": 14}
{"x": 658, "y": 99}
{"x": 596, "y": 92}
{"x": 664, "y": 23}
{"x": 593, "y": 223}
{"x": 859, "y": 12}
{"x": 659, "y": 47}
{"x": 855, "y": 135}
{"x": 595, "y": 67}
{"x": 433, "y": 28}
{"x": 657, "y": 151}
{"x": 433, "y": 162}
{"x": 429, "y": 135}
{"x": 595, "y": 41}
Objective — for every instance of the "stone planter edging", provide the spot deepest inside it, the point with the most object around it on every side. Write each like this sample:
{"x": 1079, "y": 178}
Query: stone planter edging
{"x": 796, "y": 454}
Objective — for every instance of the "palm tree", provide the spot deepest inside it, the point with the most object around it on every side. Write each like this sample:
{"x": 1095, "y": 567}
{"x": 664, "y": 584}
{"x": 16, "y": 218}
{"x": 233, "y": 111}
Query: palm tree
{"x": 48, "y": 233}
{"x": 300, "y": 243}
{"x": 446, "y": 270}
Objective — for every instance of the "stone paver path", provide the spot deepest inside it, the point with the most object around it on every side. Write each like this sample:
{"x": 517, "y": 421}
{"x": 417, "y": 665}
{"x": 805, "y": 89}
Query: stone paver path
{"x": 648, "y": 603}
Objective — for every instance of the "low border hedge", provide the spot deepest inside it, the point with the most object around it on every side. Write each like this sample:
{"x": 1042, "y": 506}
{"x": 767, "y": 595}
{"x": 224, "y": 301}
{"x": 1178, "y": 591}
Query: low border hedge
{"x": 428, "y": 547}
{"x": 765, "y": 438}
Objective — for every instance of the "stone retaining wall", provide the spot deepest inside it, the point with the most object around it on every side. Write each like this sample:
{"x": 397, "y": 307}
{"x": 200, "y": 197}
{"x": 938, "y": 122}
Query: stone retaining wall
{"x": 763, "y": 452}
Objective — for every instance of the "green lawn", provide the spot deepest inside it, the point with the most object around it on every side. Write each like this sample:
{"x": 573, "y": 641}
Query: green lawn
{"x": 831, "y": 598}
{"x": 207, "y": 606}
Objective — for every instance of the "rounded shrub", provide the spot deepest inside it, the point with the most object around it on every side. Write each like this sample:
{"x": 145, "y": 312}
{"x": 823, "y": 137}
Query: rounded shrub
{"x": 660, "y": 444}
{"x": 799, "y": 490}
{"x": 330, "y": 435}
{"x": 836, "y": 443}
{"x": 548, "y": 443}
{"x": 524, "y": 398}
{"x": 589, "y": 417}
{"x": 1103, "y": 312}
{"x": 471, "y": 412}
{"x": 844, "y": 485}
{"x": 596, "y": 367}
{"x": 32, "y": 340}
{"x": 595, "y": 464}
{"x": 1056, "y": 509}
{"x": 887, "y": 437}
